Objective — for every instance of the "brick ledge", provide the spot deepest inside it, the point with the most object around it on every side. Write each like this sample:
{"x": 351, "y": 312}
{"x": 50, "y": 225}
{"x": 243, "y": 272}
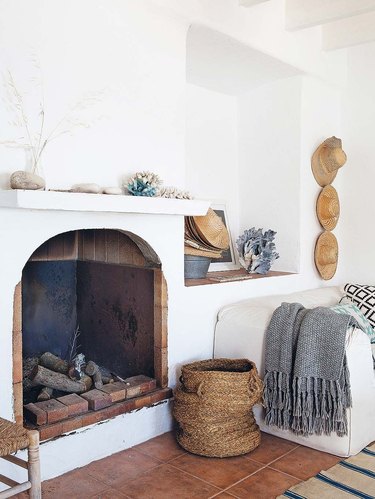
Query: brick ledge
{"x": 54, "y": 430}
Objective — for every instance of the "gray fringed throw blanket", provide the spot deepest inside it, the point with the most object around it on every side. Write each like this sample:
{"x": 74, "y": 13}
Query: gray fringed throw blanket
{"x": 306, "y": 385}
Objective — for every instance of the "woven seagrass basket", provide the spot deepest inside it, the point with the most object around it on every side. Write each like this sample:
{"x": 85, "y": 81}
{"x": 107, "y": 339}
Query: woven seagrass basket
{"x": 213, "y": 407}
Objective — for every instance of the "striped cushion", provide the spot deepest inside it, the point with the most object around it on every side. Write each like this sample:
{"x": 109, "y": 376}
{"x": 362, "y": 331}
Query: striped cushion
{"x": 353, "y": 310}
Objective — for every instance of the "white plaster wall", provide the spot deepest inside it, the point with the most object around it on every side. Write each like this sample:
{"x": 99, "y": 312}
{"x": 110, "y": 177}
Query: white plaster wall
{"x": 269, "y": 157}
{"x": 64, "y": 454}
{"x": 359, "y": 172}
{"x": 280, "y": 126}
{"x": 125, "y": 50}
{"x": 320, "y": 118}
{"x": 135, "y": 51}
{"x": 212, "y": 148}
{"x": 138, "y": 50}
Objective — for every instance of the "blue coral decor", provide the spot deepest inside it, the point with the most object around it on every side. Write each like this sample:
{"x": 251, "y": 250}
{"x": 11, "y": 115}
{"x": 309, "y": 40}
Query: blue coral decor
{"x": 256, "y": 250}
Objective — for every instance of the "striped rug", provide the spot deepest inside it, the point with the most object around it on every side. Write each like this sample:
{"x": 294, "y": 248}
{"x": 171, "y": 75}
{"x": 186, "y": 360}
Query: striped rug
{"x": 352, "y": 477}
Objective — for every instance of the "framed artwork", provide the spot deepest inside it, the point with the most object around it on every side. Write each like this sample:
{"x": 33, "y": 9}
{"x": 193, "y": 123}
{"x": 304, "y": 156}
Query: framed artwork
{"x": 228, "y": 261}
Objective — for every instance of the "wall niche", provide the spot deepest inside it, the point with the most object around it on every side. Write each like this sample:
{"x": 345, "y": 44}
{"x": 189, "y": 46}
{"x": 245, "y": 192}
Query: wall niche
{"x": 243, "y": 135}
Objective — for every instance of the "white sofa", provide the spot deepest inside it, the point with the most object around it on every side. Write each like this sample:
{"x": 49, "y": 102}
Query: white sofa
{"x": 240, "y": 333}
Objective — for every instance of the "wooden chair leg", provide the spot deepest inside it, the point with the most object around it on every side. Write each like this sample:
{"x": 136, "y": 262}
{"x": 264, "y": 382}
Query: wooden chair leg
{"x": 34, "y": 465}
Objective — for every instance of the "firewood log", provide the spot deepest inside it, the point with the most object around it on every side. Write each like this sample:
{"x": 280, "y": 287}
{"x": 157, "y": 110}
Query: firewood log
{"x": 45, "y": 394}
{"x": 73, "y": 373}
{"x": 45, "y": 377}
{"x": 54, "y": 363}
{"x": 93, "y": 370}
{"x": 106, "y": 380}
{"x": 107, "y": 376}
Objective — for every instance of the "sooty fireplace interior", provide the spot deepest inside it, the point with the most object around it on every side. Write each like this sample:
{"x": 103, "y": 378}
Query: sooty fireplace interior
{"x": 94, "y": 334}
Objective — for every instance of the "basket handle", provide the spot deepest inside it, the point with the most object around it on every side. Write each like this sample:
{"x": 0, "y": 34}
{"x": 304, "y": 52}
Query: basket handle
{"x": 255, "y": 390}
{"x": 199, "y": 391}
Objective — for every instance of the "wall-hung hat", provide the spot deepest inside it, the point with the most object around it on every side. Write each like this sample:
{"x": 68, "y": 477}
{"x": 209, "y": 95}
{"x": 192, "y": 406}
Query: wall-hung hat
{"x": 328, "y": 207}
{"x": 326, "y": 255}
{"x": 326, "y": 161}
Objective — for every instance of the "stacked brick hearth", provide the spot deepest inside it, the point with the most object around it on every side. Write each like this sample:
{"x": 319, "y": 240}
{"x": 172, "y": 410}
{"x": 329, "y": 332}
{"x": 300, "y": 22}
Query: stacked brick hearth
{"x": 70, "y": 412}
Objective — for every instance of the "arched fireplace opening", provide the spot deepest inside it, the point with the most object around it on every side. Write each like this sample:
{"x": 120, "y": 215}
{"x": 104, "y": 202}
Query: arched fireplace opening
{"x": 90, "y": 295}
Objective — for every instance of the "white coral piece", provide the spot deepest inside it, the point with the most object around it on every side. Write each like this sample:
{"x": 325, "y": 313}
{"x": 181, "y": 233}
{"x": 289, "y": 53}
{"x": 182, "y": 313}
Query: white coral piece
{"x": 174, "y": 193}
{"x": 143, "y": 184}
{"x": 150, "y": 178}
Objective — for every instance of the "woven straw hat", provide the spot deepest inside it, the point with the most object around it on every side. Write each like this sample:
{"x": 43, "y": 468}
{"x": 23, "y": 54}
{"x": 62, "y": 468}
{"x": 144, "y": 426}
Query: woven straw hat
{"x": 326, "y": 161}
{"x": 212, "y": 230}
{"x": 328, "y": 207}
{"x": 206, "y": 235}
{"x": 189, "y": 250}
{"x": 326, "y": 255}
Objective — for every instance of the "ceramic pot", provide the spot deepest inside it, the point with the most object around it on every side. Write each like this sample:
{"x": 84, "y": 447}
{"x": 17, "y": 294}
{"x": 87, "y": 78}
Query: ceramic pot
{"x": 27, "y": 181}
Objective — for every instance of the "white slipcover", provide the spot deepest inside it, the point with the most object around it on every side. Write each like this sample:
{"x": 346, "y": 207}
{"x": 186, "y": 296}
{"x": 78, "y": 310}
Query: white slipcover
{"x": 240, "y": 333}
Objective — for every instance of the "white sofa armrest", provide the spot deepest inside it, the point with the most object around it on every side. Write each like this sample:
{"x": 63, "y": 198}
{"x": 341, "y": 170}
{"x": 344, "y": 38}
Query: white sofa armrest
{"x": 241, "y": 333}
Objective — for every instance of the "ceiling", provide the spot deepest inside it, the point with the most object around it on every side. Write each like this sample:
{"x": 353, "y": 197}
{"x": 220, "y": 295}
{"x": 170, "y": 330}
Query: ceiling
{"x": 344, "y": 23}
{"x": 223, "y": 64}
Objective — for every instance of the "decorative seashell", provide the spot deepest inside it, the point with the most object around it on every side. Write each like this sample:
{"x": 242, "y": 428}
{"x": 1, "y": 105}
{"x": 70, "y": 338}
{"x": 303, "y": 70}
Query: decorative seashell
{"x": 27, "y": 181}
{"x": 112, "y": 190}
{"x": 87, "y": 188}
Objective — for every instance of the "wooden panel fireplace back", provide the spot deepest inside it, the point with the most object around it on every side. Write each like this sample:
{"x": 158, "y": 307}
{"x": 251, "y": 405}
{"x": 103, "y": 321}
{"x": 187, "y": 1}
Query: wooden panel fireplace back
{"x": 115, "y": 308}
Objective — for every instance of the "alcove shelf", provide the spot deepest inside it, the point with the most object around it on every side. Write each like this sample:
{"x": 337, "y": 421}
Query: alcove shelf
{"x": 237, "y": 275}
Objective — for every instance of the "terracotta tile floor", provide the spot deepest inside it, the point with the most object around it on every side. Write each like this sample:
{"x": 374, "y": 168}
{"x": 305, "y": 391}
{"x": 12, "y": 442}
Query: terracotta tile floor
{"x": 160, "y": 469}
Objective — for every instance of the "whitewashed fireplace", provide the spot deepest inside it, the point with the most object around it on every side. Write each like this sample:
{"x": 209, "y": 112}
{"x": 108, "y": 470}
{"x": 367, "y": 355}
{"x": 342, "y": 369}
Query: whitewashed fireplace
{"x": 28, "y": 219}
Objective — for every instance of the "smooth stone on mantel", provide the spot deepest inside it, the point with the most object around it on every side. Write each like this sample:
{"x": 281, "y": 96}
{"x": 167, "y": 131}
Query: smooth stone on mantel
{"x": 27, "y": 181}
{"x": 87, "y": 188}
{"x": 112, "y": 190}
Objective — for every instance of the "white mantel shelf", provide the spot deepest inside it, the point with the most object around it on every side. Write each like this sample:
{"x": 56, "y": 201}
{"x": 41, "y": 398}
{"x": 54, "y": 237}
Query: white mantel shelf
{"x": 69, "y": 201}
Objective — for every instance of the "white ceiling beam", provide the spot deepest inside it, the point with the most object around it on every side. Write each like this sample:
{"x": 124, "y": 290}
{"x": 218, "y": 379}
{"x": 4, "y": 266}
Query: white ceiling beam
{"x": 301, "y": 14}
{"x": 349, "y": 32}
{"x": 250, "y": 3}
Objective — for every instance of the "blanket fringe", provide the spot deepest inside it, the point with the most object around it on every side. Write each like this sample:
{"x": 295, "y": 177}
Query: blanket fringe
{"x": 307, "y": 406}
